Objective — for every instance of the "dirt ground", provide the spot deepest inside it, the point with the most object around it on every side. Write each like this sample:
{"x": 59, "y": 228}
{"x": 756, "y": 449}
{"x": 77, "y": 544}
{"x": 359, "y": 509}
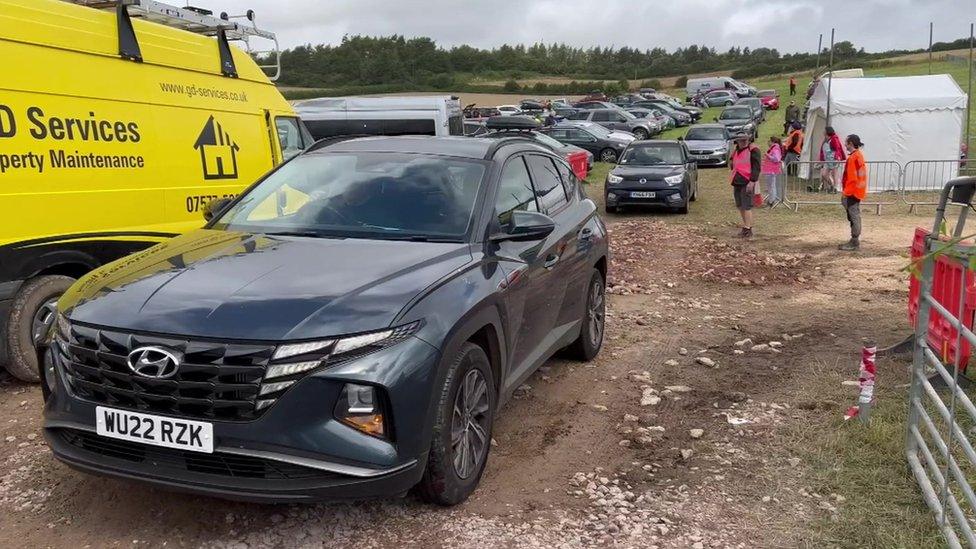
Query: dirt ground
{"x": 674, "y": 437}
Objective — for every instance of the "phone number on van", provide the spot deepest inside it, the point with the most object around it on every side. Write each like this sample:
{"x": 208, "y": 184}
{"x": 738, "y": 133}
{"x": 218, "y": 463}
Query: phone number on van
{"x": 199, "y": 202}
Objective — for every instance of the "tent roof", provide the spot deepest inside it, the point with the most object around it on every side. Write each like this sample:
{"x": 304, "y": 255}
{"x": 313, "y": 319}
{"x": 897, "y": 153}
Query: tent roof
{"x": 889, "y": 95}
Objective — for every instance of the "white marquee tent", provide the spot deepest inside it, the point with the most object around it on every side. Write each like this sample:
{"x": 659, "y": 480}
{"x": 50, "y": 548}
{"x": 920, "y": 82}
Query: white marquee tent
{"x": 899, "y": 119}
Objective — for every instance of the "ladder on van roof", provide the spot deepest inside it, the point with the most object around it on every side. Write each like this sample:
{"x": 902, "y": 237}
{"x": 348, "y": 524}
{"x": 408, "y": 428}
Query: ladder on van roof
{"x": 195, "y": 20}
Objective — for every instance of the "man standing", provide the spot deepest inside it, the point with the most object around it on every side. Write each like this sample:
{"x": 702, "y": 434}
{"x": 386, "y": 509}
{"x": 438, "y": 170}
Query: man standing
{"x": 792, "y": 85}
{"x": 792, "y": 115}
{"x": 855, "y": 183}
{"x": 746, "y": 164}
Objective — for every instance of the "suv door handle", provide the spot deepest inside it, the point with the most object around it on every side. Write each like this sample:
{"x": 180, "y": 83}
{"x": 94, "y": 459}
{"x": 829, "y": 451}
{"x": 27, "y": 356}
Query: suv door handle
{"x": 551, "y": 261}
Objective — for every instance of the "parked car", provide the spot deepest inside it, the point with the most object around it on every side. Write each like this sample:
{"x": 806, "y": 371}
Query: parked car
{"x": 681, "y": 118}
{"x": 754, "y": 103}
{"x": 596, "y": 96}
{"x": 472, "y": 111}
{"x": 694, "y": 112}
{"x": 738, "y": 118}
{"x": 769, "y": 98}
{"x": 349, "y": 326}
{"x": 644, "y": 91}
{"x": 587, "y": 105}
{"x": 627, "y": 99}
{"x": 531, "y": 105}
{"x": 710, "y": 83}
{"x": 563, "y": 109}
{"x": 655, "y": 172}
{"x": 580, "y": 160}
{"x": 718, "y": 98}
{"x": 708, "y": 144}
{"x": 603, "y": 143}
{"x": 617, "y": 119}
{"x": 508, "y": 110}
{"x": 664, "y": 121}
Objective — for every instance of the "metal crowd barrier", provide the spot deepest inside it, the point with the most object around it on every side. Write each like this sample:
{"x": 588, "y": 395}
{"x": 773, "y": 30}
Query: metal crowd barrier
{"x": 941, "y": 417}
{"x": 920, "y": 179}
{"x": 805, "y": 184}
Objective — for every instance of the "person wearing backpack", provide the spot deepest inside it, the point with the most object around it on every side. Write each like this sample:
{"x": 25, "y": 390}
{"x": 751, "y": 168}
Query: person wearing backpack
{"x": 746, "y": 165}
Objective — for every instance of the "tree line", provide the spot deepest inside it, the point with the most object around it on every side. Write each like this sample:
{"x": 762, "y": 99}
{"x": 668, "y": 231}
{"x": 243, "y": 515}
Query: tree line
{"x": 396, "y": 62}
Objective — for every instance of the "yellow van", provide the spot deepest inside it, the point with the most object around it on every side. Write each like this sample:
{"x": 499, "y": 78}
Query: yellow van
{"x": 116, "y": 130}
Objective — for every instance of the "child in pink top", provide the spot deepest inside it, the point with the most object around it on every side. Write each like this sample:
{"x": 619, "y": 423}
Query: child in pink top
{"x": 772, "y": 172}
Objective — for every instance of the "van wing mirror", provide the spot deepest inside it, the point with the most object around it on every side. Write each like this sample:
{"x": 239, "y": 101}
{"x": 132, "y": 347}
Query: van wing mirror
{"x": 526, "y": 226}
{"x": 215, "y": 207}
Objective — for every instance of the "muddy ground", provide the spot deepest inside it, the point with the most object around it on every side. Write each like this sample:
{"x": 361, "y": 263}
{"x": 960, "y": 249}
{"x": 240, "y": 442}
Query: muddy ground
{"x": 673, "y": 437}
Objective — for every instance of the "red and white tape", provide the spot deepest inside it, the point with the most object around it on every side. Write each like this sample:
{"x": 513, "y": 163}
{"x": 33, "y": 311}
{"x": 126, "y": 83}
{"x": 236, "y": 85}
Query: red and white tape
{"x": 866, "y": 378}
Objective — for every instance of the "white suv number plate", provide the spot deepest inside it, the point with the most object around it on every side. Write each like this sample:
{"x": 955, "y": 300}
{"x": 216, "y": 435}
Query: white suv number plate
{"x": 641, "y": 194}
{"x": 184, "y": 434}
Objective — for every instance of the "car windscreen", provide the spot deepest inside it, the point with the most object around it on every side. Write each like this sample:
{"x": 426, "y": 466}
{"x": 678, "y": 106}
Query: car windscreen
{"x": 767, "y": 93}
{"x": 732, "y": 114}
{"x": 627, "y": 115}
{"x": 548, "y": 141}
{"x": 596, "y": 130}
{"x": 705, "y": 134}
{"x": 362, "y": 195}
{"x": 651, "y": 155}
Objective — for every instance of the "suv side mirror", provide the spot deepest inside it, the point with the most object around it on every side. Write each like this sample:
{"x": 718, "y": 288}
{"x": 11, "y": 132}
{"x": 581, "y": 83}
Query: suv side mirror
{"x": 215, "y": 207}
{"x": 526, "y": 226}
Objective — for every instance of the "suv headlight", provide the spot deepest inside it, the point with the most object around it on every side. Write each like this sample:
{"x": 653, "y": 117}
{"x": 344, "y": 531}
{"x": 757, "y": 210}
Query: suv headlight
{"x": 673, "y": 179}
{"x": 613, "y": 179}
{"x": 295, "y": 358}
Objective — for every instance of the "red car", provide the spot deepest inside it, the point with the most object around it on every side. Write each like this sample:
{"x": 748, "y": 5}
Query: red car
{"x": 769, "y": 98}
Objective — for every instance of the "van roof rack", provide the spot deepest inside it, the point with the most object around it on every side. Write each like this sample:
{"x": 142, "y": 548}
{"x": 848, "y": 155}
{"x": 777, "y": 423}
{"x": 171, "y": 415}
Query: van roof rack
{"x": 195, "y": 20}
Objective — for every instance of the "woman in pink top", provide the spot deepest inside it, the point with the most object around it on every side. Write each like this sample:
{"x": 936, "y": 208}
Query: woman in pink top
{"x": 832, "y": 155}
{"x": 772, "y": 172}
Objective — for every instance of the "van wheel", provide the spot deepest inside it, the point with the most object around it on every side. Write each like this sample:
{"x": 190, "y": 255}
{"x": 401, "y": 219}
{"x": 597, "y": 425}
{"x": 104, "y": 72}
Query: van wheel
{"x": 31, "y": 314}
{"x": 461, "y": 437}
{"x": 608, "y": 155}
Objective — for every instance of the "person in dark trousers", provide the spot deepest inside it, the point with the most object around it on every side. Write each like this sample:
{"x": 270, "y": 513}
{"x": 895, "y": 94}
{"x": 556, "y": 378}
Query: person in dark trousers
{"x": 746, "y": 165}
{"x": 792, "y": 115}
{"x": 792, "y": 85}
{"x": 855, "y": 186}
{"x": 793, "y": 146}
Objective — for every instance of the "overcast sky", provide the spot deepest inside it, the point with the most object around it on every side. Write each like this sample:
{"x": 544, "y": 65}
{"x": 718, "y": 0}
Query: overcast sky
{"x": 788, "y": 25}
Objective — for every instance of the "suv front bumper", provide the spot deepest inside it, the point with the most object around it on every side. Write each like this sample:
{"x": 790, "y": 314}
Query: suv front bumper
{"x": 296, "y": 451}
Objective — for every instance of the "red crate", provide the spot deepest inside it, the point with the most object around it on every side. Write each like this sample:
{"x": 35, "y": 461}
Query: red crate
{"x": 579, "y": 161}
{"x": 946, "y": 277}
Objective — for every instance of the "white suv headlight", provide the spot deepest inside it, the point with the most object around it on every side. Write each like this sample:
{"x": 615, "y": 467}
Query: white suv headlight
{"x": 613, "y": 179}
{"x": 673, "y": 179}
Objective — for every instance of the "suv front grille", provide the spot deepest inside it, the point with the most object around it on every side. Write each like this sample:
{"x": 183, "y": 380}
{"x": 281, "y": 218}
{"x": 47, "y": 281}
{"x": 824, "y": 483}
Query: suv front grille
{"x": 217, "y": 464}
{"x": 215, "y": 380}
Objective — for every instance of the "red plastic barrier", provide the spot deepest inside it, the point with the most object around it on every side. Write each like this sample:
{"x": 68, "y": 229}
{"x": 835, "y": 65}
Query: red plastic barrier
{"x": 579, "y": 161}
{"x": 946, "y": 278}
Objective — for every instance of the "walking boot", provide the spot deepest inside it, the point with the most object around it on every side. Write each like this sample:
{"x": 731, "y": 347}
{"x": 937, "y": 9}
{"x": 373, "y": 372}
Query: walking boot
{"x": 851, "y": 245}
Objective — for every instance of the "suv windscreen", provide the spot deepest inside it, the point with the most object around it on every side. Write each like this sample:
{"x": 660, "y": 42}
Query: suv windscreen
{"x": 652, "y": 155}
{"x": 362, "y": 195}
{"x": 597, "y": 130}
{"x": 735, "y": 114}
{"x": 705, "y": 134}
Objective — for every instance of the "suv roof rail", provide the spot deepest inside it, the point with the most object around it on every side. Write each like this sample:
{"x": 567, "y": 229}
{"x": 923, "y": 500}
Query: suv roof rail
{"x": 195, "y": 20}
{"x": 327, "y": 141}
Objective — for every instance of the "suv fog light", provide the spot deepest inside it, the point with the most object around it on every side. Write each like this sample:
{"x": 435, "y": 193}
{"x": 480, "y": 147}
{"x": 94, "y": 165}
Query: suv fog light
{"x": 359, "y": 407}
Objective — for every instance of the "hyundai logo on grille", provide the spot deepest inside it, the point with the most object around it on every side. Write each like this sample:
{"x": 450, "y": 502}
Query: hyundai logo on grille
{"x": 154, "y": 362}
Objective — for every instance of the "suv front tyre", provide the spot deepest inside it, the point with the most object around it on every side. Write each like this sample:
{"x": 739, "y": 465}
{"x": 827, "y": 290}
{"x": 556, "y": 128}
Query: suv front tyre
{"x": 461, "y": 437}
{"x": 31, "y": 314}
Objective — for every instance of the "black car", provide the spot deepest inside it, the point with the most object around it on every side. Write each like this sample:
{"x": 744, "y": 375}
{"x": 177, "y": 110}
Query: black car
{"x": 656, "y": 173}
{"x": 738, "y": 118}
{"x": 347, "y": 327}
{"x": 754, "y": 103}
{"x": 605, "y": 144}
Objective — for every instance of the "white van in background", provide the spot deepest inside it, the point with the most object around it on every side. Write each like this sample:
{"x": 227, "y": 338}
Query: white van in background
{"x": 707, "y": 84}
{"x": 382, "y": 115}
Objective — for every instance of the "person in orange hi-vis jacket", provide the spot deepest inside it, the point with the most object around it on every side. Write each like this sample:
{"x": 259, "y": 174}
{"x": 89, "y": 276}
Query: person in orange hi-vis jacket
{"x": 855, "y": 186}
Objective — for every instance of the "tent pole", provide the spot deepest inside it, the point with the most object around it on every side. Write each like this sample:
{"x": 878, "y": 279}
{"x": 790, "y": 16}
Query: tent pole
{"x": 830, "y": 71}
{"x": 930, "y": 47}
{"x": 969, "y": 106}
{"x": 816, "y": 71}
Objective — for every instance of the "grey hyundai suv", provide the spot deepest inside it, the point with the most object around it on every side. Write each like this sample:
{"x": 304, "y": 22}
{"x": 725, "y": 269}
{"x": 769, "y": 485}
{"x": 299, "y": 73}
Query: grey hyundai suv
{"x": 347, "y": 327}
